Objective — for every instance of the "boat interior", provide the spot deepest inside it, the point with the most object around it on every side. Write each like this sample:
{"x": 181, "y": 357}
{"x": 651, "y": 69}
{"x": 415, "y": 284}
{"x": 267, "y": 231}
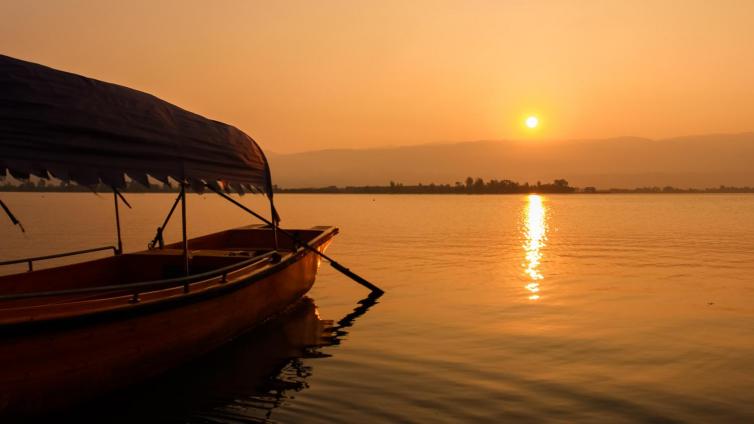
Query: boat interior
{"x": 205, "y": 254}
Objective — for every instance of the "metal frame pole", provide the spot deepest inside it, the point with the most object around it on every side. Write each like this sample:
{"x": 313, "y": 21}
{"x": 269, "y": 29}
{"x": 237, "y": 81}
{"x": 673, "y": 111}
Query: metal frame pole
{"x": 158, "y": 240}
{"x": 119, "y": 250}
{"x": 13, "y": 219}
{"x": 275, "y": 223}
{"x": 183, "y": 222}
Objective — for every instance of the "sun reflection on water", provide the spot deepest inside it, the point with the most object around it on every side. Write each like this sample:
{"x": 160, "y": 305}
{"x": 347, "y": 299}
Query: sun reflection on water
{"x": 535, "y": 232}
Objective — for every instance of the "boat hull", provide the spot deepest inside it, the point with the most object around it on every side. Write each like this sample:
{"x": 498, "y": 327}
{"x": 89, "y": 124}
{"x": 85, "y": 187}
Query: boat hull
{"x": 57, "y": 364}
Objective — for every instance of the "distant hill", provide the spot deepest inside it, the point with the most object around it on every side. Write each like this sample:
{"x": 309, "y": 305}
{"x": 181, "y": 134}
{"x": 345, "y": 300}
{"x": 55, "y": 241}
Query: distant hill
{"x": 694, "y": 161}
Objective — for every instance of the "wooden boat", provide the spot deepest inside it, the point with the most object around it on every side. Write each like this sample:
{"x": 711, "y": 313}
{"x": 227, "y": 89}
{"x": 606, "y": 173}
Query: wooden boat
{"x": 115, "y": 329}
{"x": 72, "y": 332}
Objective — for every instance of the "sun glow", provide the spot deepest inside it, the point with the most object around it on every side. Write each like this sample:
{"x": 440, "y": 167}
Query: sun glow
{"x": 532, "y": 122}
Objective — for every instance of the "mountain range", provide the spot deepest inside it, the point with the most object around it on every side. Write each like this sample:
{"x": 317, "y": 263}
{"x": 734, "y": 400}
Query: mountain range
{"x": 625, "y": 162}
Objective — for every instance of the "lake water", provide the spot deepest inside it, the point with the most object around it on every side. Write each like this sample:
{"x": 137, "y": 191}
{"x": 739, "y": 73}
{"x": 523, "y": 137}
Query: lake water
{"x": 601, "y": 308}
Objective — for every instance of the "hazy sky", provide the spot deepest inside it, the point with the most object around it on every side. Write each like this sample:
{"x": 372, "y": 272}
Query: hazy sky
{"x": 321, "y": 74}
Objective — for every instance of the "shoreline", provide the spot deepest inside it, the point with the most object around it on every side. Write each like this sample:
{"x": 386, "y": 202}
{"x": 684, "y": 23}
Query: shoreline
{"x": 344, "y": 192}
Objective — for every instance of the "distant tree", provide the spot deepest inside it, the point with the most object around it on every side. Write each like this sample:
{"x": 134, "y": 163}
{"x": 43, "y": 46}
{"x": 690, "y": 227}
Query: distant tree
{"x": 469, "y": 184}
{"x": 479, "y": 185}
{"x": 561, "y": 183}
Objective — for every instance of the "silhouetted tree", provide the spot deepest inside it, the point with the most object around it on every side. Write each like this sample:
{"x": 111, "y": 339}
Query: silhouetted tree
{"x": 479, "y": 186}
{"x": 560, "y": 183}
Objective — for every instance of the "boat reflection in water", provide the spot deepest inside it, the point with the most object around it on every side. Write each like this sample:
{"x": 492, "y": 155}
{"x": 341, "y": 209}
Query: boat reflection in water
{"x": 535, "y": 236}
{"x": 244, "y": 381}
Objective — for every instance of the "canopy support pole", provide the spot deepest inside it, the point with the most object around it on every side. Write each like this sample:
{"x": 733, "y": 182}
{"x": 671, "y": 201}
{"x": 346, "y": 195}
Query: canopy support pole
{"x": 183, "y": 229}
{"x": 343, "y": 270}
{"x": 275, "y": 223}
{"x": 116, "y": 195}
{"x": 119, "y": 248}
{"x": 158, "y": 239}
{"x": 13, "y": 219}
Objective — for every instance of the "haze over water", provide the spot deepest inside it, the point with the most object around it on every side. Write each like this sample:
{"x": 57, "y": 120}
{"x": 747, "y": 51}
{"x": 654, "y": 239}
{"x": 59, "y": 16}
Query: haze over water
{"x": 603, "y": 308}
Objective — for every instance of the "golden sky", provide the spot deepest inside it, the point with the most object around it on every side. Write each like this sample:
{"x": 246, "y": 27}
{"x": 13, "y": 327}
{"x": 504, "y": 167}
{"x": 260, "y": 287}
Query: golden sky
{"x": 328, "y": 74}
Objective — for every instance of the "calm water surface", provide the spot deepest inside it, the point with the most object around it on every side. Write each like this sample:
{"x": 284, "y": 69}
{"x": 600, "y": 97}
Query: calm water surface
{"x": 603, "y": 308}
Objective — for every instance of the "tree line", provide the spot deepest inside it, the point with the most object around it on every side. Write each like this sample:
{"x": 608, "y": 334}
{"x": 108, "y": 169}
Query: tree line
{"x": 469, "y": 186}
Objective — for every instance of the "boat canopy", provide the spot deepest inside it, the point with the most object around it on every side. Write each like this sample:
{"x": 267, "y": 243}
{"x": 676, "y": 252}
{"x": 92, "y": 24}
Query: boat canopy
{"x": 63, "y": 125}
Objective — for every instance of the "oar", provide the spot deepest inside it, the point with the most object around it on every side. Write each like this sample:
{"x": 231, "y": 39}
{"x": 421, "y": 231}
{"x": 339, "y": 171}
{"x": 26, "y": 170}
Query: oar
{"x": 343, "y": 270}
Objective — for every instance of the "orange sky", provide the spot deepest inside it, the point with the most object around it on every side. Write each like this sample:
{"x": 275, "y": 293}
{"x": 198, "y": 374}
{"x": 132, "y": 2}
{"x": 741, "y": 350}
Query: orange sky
{"x": 324, "y": 74}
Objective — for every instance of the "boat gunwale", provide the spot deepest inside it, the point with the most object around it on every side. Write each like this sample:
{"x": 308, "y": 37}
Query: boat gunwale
{"x": 145, "y": 286}
{"x": 57, "y": 255}
{"x": 23, "y": 327}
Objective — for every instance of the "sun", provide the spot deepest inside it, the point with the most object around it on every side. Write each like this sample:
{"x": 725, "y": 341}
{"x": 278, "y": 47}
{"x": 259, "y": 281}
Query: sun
{"x": 532, "y": 122}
